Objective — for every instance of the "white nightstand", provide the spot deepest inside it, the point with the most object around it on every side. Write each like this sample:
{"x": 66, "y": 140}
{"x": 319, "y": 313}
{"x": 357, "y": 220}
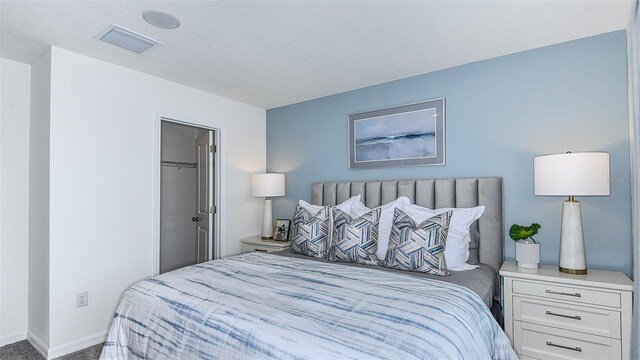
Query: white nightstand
{"x": 553, "y": 315}
{"x": 257, "y": 244}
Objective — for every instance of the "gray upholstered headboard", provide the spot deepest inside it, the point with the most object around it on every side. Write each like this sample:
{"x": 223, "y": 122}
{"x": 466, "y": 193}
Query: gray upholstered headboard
{"x": 435, "y": 193}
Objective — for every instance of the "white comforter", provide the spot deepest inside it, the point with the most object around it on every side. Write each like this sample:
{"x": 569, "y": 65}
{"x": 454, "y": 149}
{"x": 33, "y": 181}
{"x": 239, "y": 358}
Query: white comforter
{"x": 258, "y": 306}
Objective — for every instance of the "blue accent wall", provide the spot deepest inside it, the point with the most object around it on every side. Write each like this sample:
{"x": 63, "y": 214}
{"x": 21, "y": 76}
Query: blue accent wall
{"x": 500, "y": 113}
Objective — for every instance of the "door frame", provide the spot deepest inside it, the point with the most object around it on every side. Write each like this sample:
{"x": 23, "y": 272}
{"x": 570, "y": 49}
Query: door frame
{"x": 219, "y": 185}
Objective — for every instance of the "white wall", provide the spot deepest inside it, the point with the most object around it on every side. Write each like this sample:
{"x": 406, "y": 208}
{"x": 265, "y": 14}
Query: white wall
{"x": 178, "y": 205}
{"x": 14, "y": 199}
{"x": 39, "y": 273}
{"x": 102, "y": 176}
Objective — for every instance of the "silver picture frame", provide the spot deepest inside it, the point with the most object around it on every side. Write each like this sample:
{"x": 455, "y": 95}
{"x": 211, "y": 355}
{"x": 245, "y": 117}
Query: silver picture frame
{"x": 407, "y": 135}
{"x": 281, "y": 229}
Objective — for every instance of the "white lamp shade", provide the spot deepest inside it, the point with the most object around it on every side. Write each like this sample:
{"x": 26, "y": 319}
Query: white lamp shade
{"x": 572, "y": 174}
{"x": 267, "y": 185}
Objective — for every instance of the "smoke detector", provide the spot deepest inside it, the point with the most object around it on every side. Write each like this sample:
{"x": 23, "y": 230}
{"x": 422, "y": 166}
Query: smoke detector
{"x": 160, "y": 19}
{"x": 127, "y": 39}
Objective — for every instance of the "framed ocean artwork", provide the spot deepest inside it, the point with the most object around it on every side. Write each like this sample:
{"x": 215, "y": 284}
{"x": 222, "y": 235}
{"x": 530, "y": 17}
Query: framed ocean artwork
{"x": 405, "y": 135}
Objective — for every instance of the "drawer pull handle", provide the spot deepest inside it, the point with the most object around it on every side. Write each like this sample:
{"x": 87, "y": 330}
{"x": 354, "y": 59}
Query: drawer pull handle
{"x": 548, "y": 291}
{"x": 575, "y": 317}
{"x": 260, "y": 250}
{"x": 573, "y": 348}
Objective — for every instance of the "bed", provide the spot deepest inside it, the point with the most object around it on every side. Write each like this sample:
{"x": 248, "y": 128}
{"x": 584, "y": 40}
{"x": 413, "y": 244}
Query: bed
{"x": 267, "y": 306}
{"x": 440, "y": 193}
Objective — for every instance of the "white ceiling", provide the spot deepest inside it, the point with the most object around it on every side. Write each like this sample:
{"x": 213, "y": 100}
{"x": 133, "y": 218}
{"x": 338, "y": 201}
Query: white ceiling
{"x": 274, "y": 53}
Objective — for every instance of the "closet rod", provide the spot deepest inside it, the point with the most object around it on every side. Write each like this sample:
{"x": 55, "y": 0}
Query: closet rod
{"x": 178, "y": 164}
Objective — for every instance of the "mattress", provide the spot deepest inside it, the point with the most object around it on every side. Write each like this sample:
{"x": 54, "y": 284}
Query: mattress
{"x": 482, "y": 281}
{"x": 264, "y": 306}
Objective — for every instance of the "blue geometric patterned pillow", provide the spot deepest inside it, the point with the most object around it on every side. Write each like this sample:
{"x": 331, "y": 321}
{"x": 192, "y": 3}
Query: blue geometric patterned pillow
{"x": 309, "y": 232}
{"x": 355, "y": 240}
{"x": 418, "y": 247}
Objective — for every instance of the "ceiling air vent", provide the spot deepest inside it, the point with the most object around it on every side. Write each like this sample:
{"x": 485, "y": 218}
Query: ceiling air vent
{"x": 127, "y": 39}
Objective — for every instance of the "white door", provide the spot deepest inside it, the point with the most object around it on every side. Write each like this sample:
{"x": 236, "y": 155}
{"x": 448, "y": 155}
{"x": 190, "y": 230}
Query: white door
{"x": 204, "y": 196}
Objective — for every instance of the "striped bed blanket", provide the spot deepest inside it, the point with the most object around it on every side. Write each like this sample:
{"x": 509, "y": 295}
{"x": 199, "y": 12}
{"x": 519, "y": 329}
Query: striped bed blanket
{"x": 262, "y": 306}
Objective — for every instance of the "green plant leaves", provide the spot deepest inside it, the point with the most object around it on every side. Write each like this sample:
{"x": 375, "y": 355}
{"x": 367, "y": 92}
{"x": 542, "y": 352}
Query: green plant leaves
{"x": 519, "y": 232}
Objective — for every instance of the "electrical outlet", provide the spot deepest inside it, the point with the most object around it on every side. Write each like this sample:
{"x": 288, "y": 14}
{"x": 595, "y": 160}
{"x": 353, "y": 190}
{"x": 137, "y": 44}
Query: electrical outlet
{"x": 82, "y": 299}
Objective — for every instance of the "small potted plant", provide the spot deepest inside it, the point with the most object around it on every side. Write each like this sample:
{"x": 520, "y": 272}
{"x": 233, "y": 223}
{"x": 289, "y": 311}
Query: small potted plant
{"x": 527, "y": 249}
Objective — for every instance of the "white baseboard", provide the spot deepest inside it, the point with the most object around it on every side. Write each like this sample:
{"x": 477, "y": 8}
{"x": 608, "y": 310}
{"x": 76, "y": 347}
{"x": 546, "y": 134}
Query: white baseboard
{"x": 13, "y": 338}
{"x": 68, "y": 348}
{"x": 37, "y": 344}
{"x": 76, "y": 345}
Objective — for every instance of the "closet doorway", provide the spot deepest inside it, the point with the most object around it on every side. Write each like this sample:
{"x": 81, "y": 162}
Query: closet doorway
{"x": 187, "y": 195}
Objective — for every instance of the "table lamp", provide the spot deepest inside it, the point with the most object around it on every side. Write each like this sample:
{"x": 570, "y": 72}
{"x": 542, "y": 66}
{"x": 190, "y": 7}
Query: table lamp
{"x": 267, "y": 185}
{"x": 572, "y": 174}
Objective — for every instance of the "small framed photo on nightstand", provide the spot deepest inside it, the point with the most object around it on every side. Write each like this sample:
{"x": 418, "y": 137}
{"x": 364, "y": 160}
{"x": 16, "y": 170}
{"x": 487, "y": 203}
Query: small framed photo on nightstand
{"x": 281, "y": 230}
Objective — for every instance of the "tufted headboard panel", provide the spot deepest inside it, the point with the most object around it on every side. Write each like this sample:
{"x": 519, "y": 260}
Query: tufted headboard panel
{"x": 432, "y": 193}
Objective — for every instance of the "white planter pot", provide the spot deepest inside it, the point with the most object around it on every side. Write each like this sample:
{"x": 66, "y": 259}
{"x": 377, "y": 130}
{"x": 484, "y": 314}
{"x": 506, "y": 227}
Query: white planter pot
{"x": 527, "y": 255}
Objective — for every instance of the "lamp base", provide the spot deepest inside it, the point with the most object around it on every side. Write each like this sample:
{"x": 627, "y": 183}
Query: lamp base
{"x": 572, "y": 271}
{"x": 572, "y": 258}
{"x": 267, "y": 220}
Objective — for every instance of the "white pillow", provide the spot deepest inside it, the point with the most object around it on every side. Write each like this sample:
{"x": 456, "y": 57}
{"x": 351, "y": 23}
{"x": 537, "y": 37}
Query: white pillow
{"x": 358, "y": 208}
{"x": 345, "y": 206}
{"x": 456, "y": 251}
{"x": 386, "y": 222}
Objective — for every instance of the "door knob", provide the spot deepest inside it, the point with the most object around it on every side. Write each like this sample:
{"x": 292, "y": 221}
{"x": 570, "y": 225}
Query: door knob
{"x": 195, "y": 219}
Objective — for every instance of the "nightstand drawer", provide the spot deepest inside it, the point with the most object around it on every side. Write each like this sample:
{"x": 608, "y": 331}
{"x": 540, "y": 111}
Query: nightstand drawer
{"x": 573, "y": 294}
{"x": 543, "y": 342}
{"x": 567, "y": 316}
{"x": 259, "y": 248}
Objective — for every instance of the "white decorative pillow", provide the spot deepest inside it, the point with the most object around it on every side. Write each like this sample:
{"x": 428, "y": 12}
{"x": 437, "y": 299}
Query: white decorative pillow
{"x": 457, "y": 249}
{"x": 418, "y": 247}
{"x": 355, "y": 239}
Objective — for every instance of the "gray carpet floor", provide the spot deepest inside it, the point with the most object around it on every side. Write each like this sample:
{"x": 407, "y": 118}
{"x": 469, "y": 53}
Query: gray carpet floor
{"x": 22, "y": 350}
